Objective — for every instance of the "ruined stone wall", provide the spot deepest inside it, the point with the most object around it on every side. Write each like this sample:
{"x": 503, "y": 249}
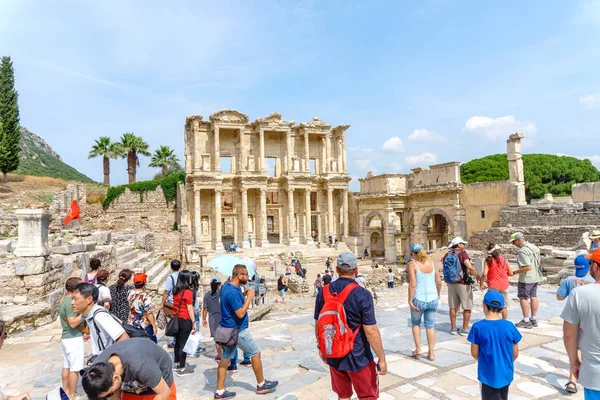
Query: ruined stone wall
{"x": 530, "y": 216}
{"x": 482, "y": 203}
{"x": 583, "y": 192}
{"x": 558, "y": 236}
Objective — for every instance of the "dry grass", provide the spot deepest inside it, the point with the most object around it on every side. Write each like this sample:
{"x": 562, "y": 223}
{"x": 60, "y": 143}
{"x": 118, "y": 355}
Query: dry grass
{"x": 45, "y": 181}
{"x": 95, "y": 197}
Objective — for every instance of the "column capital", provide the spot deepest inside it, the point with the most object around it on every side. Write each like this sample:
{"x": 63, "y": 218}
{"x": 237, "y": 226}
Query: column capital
{"x": 329, "y": 189}
{"x": 263, "y": 191}
{"x": 291, "y": 190}
{"x": 219, "y": 191}
{"x": 244, "y": 189}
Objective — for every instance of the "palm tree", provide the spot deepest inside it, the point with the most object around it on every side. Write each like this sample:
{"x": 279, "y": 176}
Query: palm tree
{"x": 107, "y": 149}
{"x": 164, "y": 157}
{"x": 132, "y": 146}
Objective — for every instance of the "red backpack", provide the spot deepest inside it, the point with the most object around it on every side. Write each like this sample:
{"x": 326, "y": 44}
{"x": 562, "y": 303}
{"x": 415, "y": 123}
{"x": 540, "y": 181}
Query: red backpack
{"x": 334, "y": 336}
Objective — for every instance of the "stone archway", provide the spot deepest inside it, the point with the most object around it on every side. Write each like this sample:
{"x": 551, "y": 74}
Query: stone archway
{"x": 377, "y": 244}
{"x": 438, "y": 227}
{"x": 369, "y": 217}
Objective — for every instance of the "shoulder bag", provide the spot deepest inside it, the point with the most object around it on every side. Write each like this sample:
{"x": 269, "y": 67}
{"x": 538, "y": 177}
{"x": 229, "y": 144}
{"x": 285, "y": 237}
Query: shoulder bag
{"x": 167, "y": 306}
{"x": 227, "y": 337}
{"x": 172, "y": 328}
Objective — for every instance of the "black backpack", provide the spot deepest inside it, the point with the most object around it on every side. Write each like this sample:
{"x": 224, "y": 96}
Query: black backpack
{"x": 132, "y": 331}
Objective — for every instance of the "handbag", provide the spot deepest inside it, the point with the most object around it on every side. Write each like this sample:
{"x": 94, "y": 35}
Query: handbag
{"x": 134, "y": 331}
{"x": 227, "y": 337}
{"x": 172, "y": 328}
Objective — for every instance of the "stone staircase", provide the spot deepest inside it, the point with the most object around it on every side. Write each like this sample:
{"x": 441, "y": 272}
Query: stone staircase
{"x": 153, "y": 265}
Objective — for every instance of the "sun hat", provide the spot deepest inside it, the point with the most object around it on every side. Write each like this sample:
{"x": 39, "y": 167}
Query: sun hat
{"x": 494, "y": 299}
{"x": 416, "y": 247}
{"x": 516, "y": 236}
{"x": 346, "y": 261}
{"x": 139, "y": 279}
{"x": 456, "y": 241}
{"x": 595, "y": 256}
{"x": 496, "y": 247}
{"x": 582, "y": 266}
{"x": 595, "y": 234}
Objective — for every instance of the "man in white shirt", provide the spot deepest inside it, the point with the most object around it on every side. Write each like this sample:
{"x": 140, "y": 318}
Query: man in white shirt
{"x": 3, "y": 336}
{"x": 169, "y": 285}
{"x": 104, "y": 329}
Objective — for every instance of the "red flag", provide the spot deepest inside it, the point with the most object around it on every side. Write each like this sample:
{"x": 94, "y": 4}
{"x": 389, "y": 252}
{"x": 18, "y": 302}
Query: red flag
{"x": 73, "y": 212}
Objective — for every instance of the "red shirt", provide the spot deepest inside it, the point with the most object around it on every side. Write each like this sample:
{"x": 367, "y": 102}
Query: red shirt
{"x": 497, "y": 276}
{"x": 181, "y": 309}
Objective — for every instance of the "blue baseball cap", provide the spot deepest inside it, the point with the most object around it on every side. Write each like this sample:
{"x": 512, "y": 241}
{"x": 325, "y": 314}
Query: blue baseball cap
{"x": 494, "y": 299}
{"x": 416, "y": 247}
{"x": 582, "y": 266}
{"x": 346, "y": 261}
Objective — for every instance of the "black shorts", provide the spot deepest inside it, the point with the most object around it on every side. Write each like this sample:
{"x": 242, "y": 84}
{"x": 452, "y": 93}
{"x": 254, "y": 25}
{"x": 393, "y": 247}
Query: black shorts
{"x": 527, "y": 290}
{"x": 490, "y": 393}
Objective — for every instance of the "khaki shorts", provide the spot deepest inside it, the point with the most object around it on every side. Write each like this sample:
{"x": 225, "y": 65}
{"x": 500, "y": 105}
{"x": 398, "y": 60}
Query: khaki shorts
{"x": 504, "y": 294}
{"x": 460, "y": 295}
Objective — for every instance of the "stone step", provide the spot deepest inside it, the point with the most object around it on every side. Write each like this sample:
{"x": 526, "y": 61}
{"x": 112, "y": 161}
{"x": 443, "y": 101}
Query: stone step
{"x": 157, "y": 282}
{"x": 139, "y": 261}
{"x": 123, "y": 258}
{"x": 155, "y": 268}
{"x": 119, "y": 250}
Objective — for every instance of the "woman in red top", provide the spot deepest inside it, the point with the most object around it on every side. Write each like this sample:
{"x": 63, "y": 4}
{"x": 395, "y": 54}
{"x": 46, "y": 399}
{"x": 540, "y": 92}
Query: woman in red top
{"x": 183, "y": 310}
{"x": 497, "y": 270}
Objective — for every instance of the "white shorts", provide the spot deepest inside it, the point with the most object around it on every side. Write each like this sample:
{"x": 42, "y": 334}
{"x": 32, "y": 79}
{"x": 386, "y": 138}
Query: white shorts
{"x": 73, "y": 353}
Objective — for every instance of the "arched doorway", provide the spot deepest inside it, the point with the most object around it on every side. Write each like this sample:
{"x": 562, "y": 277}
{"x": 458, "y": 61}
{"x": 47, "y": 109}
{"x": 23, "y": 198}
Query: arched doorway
{"x": 439, "y": 228}
{"x": 376, "y": 243}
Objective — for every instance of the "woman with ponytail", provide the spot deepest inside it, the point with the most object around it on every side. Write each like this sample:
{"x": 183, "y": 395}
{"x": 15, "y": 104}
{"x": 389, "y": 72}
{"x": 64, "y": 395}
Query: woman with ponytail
{"x": 424, "y": 289}
{"x": 119, "y": 292}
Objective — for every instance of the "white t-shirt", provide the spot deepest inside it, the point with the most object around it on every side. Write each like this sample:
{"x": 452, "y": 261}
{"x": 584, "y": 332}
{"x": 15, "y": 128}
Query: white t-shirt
{"x": 110, "y": 329}
{"x": 582, "y": 309}
{"x": 103, "y": 293}
{"x": 271, "y": 260}
{"x": 390, "y": 277}
{"x": 361, "y": 281}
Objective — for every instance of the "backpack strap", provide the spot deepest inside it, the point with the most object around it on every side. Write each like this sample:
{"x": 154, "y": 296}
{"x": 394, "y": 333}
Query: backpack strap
{"x": 342, "y": 296}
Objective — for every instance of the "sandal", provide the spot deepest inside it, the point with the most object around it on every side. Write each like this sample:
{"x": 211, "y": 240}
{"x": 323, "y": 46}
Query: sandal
{"x": 430, "y": 357}
{"x": 415, "y": 354}
{"x": 571, "y": 387}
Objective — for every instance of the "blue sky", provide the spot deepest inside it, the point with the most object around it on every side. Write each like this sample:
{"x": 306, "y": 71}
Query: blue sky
{"x": 420, "y": 82}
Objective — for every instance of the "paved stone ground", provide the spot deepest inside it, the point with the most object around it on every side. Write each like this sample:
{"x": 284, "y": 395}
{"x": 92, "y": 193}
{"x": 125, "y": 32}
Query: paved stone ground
{"x": 286, "y": 337}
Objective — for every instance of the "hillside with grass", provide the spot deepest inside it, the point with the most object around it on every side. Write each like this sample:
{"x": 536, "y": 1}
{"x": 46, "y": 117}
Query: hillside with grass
{"x": 544, "y": 173}
{"x": 38, "y": 159}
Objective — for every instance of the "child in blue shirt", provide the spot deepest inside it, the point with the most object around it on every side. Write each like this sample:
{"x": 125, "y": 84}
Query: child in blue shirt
{"x": 494, "y": 343}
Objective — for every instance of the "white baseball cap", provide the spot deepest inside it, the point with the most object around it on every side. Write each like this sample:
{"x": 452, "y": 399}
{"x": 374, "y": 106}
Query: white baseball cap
{"x": 456, "y": 241}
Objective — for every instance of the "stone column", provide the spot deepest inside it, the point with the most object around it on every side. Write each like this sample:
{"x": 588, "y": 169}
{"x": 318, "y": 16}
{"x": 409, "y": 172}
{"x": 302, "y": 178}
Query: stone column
{"x": 515, "y": 169}
{"x": 324, "y": 165}
{"x": 33, "y": 233}
{"x": 306, "y": 153}
{"x": 217, "y": 149}
{"x": 262, "y": 240}
{"x": 308, "y": 217}
{"x": 345, "y": 213}
{"x": 344, "y": 168}
{"x": 196, "y": 150}
{"x": 243, "y": 162}
{"x": 244, "y": 243}
{"x": 197, "y": 217}
{"x": 218, "y": 231}
{"x": 330, "y": 222}
{"x": 340, "y": 168}
{"x": 328, "y": 152}
{"x": 280, "y": 222}
{"x": 261, "y": 155}
{"x": 291, "y": 237}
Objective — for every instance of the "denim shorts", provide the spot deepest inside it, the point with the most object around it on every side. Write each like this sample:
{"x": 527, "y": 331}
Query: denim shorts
{"x": 245, "y": 342}
{"x": 426, "y": 310}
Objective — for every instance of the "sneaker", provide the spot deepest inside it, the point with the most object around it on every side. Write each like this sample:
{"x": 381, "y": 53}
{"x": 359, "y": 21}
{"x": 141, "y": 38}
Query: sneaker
{"x": 184, "y": 372}
{"x": 454, "y": 331}
{"x": 533, "y": 323}
{"x": 232, "y": 369}
{"x": 463, "y": 332}
{"x": 267, "y": 387}
{"x": 524, "y": 324}
{"x": 217, "y": 359}
{"x": 225, "y": 395}
{"x": 171, "y": 345}
{"x": 246, "y": 363}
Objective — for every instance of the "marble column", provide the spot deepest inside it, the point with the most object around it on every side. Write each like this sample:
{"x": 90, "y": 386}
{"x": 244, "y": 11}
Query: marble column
{"x": 244, "y": 243}
{"x": 330, "y": 222}
{"x": 339, "y": 156}
{"x": 196, "y": 150}
{"x": 344, "y": 168}
{"x": 288, "y": 156}
{"x": 243, "y": 162}
{"x": 345, "y": 213}
{"x": 261, "y": 151}
{"x": 306, "y": 153}
{"x": 328, "y": 153}
{"x": 308, "y": 217}
{"x": 291, "y": 236}
{"x": 319, "y": 215}
{"x": 218, "y": 230}
{"x": 324, "y": 164}
{"x": 197, "y": 220}
{"x": 262, "y": 240}
{"x": 280, "y": 222}
{"x": 217, "y": 149}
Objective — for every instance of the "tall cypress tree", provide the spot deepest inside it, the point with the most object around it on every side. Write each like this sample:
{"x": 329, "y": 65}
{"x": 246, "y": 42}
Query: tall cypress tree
{"x": 10, "y": 133}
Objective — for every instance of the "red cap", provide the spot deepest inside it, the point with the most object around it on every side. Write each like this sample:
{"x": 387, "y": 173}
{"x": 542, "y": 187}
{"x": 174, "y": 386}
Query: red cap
{"x": 594, "y": 256}
{"x": 139, "y": 279}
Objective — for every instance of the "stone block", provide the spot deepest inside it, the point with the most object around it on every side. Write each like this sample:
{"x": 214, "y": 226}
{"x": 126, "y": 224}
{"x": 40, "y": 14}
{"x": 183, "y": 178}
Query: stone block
{"x": 33, "y": 232}
{"x": 6, "y": 245}
{"x": 25, "y": 266}
{"x": 101, "y": 237}
{"x": 7, "y": 267}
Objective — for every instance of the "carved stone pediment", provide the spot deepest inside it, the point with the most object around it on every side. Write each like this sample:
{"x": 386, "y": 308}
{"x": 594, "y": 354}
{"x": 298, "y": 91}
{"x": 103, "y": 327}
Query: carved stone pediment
{"x": 229, "y": 116}
{"x": 273, "y": 120}
{"x": 191, "y": 118}
{"x": 315, "y": 123}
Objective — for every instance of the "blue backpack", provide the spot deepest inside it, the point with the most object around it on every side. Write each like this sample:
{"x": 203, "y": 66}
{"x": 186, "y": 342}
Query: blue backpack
{"x": 453, "y": 270}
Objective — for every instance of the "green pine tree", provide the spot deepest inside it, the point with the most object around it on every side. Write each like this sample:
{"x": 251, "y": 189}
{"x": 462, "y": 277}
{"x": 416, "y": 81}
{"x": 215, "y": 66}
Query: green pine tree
{"x": 10, "y": 133}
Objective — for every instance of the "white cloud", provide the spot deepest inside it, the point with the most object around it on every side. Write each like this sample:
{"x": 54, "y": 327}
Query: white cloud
{"x": 591, "y": 101}
{"x": 595, "y": 159}
{"x": 393, "y": 145}
{"x": 424, "y": 135}
{"x": 495, "y": 128}
{"x": 423, "y": 159}
{"x": 363, "y": 164}
{"x": 396, "y": 166}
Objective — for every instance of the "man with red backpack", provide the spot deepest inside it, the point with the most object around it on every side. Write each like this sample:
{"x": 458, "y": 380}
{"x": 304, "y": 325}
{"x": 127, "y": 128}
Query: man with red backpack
{"x": 346, "y": 331}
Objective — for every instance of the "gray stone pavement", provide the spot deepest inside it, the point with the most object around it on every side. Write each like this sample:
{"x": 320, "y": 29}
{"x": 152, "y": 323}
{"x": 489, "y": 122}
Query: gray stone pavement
{"x": 286, "y": 336}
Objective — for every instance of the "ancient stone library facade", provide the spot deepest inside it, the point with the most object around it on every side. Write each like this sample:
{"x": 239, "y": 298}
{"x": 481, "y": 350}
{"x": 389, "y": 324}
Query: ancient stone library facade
{"x": 267, "y": 181}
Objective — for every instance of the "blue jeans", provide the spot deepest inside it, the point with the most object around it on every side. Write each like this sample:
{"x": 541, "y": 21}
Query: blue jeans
{"x": 234, "y": 360}
{"x": 426, "y": 310}
{"x": 246, "y": 343}
{"x": 591, "y": 394}
{"x": 151, "y": 334}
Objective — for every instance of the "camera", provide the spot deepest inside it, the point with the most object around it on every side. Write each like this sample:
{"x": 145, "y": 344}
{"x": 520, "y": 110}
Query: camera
{"x": 469, "y": 280}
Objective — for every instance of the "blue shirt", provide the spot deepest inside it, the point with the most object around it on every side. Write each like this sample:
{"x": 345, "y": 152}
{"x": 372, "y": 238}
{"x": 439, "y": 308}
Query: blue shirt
{"x": 496, "y": 340}
{"x": 170, "y": 284}
{"x": 594, "y": 246}
{"x": 232, "y": 299}
{"x": 570, "y": 283}
{"x": 359, "y": 311}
